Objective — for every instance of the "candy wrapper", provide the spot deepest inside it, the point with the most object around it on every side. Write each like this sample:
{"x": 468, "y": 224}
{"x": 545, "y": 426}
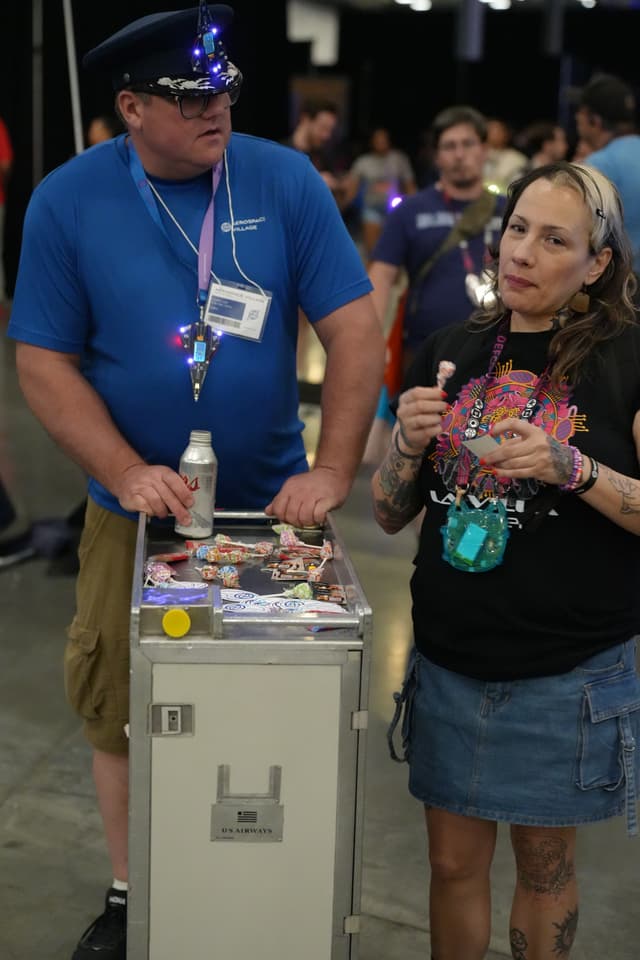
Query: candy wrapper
{"x": 201, "y": 551}
{"x": 288, "y": 537}
{"x": 326, "y": 550}
{"x": 157, "y": 573}
{"x": 226, "y": 555}
{"x": 262, "y": 548}
{"x": 314, "y": 574}
{"x": 331, "y": 592}
{"x": 226, "y": 550}
{"x": 301, "y": 591}
{"x": 291, "y": 543}
{"x": 229, "y": 576}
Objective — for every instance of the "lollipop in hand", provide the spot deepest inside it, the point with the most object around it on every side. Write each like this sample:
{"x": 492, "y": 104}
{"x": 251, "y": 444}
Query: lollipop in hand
{"x": 446, "y": 369}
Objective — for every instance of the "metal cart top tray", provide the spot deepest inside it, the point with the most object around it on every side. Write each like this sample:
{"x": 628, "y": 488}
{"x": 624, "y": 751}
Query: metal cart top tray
{"x": 188, "y": 608}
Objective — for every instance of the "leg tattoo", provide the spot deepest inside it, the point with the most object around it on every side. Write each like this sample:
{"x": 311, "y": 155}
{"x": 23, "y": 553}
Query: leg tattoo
{"x": 518, "y": 943}
{"x": 545, "y": 868}
{"x": 566, "y": 933}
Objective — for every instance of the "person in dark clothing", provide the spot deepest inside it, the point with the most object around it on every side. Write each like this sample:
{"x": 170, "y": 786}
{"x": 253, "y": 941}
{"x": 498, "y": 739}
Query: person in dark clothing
{"x": 519, "y": 434}
{"x": 15, "y": 532}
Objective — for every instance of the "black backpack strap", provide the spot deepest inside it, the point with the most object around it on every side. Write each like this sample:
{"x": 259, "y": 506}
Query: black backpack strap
{"x": 471, "y": 221}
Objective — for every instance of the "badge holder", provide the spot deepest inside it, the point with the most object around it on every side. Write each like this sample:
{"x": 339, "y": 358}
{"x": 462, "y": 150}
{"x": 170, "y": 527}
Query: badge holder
{"x": 237, "y": 309}
{"x": 474, "y": 538}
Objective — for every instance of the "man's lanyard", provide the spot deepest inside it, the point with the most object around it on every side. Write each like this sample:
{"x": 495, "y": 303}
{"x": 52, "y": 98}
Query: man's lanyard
{"x": 198, "y": 339}
{"x": 151, "y": 198}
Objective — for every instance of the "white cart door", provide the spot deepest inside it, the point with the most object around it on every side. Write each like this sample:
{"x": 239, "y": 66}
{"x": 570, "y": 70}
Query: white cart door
{"x": 255, "y": 730}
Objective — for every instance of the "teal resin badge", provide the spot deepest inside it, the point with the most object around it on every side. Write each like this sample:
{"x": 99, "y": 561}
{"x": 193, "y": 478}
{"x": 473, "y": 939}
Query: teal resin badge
{"x": 474, "y": 538}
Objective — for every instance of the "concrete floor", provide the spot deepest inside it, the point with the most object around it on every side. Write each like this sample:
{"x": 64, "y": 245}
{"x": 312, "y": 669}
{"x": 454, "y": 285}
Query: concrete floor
{"x": 54, "y": 869}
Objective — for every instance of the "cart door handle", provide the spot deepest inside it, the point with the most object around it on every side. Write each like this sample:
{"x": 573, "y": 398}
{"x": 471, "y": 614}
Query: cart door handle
{"x": 225, "y": 796}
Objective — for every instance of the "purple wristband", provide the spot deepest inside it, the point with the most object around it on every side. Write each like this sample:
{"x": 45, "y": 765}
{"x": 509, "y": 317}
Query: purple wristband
{"x": 576, "y": 472}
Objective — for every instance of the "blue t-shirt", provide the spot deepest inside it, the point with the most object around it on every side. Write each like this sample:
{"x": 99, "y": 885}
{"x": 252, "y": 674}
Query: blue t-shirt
{"x": 411, "y": 235}
{"x": 620, "y": 161}
{"x": 98, "y": 277}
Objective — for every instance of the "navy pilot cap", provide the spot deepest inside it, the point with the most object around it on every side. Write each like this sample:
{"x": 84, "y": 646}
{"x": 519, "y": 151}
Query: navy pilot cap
{"x": 172, "y": 53}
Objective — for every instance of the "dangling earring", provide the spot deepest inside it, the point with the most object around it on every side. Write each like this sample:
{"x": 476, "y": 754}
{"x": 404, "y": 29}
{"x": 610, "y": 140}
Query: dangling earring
{"x": 580, "y": 302}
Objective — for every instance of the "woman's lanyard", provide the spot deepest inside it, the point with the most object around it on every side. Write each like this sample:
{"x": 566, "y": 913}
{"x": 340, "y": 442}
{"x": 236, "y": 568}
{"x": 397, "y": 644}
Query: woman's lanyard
{"x": 477, "y": 408}
{"x": 198, "y": 338}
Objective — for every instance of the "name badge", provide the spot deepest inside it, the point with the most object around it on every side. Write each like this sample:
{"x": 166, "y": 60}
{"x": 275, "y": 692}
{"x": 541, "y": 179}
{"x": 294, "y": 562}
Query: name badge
{"x": 238, "y": 310}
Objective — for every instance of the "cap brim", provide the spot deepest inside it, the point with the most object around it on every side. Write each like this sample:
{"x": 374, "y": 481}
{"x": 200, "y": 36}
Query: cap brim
{"x": 228, "y": 82}
{"x": 222, "y": 82}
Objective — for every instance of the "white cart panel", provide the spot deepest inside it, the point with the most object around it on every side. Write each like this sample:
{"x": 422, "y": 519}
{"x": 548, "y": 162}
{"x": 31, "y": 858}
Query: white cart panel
{"x": 246, "y": 768}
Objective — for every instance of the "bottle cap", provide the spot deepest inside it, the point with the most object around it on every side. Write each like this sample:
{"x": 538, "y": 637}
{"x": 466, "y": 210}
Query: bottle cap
{"x": 200, "y": 436}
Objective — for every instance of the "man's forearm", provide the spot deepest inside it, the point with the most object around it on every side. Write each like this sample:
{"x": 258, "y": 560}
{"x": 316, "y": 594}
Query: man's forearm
{"x": 74, "y": 415}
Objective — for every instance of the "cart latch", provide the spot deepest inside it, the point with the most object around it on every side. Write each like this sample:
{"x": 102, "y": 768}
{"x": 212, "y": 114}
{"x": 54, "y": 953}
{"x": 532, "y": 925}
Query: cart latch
{"x": 170, "y": 719}
{"x": 360, "y": 720}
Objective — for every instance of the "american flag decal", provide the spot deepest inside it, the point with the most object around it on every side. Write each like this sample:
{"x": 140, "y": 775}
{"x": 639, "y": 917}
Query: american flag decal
{"x": 247, "y": 816}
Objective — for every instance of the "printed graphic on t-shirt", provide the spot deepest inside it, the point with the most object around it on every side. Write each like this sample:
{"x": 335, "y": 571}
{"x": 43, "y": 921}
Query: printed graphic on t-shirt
{"x": 480, "y": 405}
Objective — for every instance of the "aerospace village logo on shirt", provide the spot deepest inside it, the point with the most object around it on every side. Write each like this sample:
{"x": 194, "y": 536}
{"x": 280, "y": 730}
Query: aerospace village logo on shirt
{"x": 251, "y": 223}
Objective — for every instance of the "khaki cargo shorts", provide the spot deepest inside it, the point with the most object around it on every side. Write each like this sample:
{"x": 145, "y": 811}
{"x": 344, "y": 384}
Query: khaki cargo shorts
{"x": 96, "y": 658}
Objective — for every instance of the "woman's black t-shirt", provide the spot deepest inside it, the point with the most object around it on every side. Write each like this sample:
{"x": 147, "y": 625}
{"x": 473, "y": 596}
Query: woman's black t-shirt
{"x": 568, "y": 588}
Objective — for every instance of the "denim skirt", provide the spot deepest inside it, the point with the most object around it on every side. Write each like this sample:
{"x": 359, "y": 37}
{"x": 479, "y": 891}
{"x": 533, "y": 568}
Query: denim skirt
{"x": 548, "y": 751}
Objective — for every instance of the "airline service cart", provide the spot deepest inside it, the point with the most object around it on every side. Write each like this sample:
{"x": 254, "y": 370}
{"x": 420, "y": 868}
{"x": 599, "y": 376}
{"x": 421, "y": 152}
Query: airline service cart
{"x": 247, "y": 736}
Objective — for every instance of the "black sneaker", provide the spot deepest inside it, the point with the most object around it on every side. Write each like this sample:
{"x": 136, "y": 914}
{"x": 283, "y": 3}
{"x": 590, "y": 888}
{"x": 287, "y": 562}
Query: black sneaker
{"x": 16, "y": 549}
{"x": 106, "y": 938}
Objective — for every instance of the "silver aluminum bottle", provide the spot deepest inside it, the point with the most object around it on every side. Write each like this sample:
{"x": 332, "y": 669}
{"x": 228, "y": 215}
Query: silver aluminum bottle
{"x": 199, "y": 470}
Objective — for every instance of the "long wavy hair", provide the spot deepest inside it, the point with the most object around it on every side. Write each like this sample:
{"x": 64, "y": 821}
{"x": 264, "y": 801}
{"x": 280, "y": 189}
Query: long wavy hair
{"x": 611, "y": 308}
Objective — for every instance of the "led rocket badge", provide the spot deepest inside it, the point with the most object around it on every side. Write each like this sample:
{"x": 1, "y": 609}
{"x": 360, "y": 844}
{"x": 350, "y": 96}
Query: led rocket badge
{"x": 204, "y": 55}
{"x": 201, "y": 342}
{"x": 209, "y": 57}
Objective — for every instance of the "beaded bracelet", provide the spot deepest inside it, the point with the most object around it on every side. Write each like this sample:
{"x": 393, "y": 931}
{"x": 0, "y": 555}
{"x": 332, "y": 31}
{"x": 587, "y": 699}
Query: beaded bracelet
{"x": 592, "y": 479}
{"x": 407, "y": 456}
{"x": 576, "y": 471}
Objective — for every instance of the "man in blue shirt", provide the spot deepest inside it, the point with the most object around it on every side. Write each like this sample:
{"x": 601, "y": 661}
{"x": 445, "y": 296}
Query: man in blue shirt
{"x": 606, "y": 122}
{"x": 160, "y": 280}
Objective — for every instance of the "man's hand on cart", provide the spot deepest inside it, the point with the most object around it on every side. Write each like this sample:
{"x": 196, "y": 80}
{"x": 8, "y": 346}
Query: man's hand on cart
{"x": 155, "y": 490}
{"x": 305, "y": 499}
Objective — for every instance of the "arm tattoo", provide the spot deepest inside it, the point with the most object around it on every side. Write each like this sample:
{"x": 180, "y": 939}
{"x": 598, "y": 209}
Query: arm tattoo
{"x": 409, "y": 456}
{"x": 563, "y": 939}
{"x": 402, "y": 498}
{"x": 562, "y": 459}
{"x": 519, "y": 944}
{"x": 630, "y": 491}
